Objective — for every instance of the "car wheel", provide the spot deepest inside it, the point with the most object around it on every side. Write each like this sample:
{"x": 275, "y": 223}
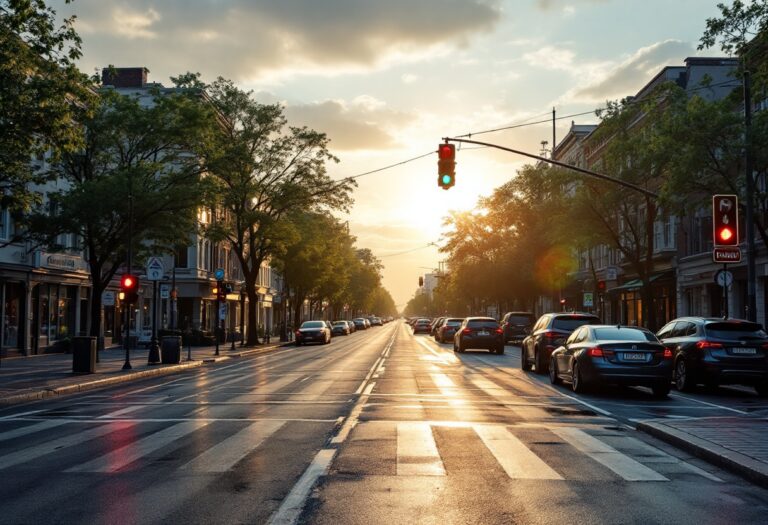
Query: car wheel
{"x": 541, "y": 366}
{"x": 454, "y": 347}
{"x": 661, "y": 391}
{"x": 762, "y": 389}
{"x": 461, "y": 348}
{"x": 500, "y": 350}
{"x": 553, "y": 377}
{"x": 524, "y": 360}
{"x": 578, "y": 383}
{"x": 683, "y": 380}
{"x": 298, "y": 343}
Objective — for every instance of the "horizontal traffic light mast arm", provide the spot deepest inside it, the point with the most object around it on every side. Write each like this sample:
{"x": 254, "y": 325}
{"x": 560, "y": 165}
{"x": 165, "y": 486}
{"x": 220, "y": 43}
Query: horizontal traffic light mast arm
{"x": 561, "y": 164}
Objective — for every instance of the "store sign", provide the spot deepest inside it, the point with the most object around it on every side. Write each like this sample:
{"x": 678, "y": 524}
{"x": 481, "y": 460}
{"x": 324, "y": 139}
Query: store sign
{"x": 61, "y": 262}
{"x": 108, "y": 299}
{"x": 588, "y": 300}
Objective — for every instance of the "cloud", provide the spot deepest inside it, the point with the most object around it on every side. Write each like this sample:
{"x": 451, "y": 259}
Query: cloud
{"x": 551, "y": 58}
{"x": 633, "y": 73}
{"x": 364, "y": 123}
{"x": 549, "y": 5}
{"x": 248, "y": 40}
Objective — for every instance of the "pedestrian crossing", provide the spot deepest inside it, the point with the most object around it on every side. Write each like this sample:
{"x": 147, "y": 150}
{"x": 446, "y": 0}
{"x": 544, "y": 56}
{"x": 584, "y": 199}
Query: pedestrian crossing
{"x": 516, "y": 450}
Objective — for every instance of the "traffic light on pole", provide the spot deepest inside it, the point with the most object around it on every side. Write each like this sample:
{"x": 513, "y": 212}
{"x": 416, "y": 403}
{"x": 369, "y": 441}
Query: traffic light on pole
{"x": 446, "y": 165}
{"x": 129, "y": 287}
{"x": 725, "y": 220}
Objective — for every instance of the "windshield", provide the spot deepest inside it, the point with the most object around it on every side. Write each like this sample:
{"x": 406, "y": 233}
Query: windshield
{"x": 623, "y": 334}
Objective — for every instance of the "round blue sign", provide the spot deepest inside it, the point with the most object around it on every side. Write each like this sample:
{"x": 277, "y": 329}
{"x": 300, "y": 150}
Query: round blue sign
{"x": 219, "y": 274}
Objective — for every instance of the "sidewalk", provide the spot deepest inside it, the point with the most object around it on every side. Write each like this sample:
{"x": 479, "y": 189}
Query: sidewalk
{"x": 736, "y": 444}
{"x": 25, "y": 379}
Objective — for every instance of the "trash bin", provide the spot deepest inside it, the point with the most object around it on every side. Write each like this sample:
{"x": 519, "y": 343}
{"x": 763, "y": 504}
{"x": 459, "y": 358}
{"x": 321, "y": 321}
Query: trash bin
{"x": 171, "y": 349}
{"x": 84, "y": 355}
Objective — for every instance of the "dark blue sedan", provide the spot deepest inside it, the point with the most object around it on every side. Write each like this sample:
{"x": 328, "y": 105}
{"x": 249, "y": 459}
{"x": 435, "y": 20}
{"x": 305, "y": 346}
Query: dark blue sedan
{"x": 620, "y": 355}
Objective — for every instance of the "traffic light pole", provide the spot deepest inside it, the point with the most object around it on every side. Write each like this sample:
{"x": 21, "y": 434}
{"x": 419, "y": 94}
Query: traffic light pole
{"x": 153, "y": 357}
{"x": 127, "y": 364}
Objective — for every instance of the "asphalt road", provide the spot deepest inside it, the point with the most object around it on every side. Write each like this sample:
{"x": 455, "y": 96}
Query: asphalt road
{"x": 378, "y": 427}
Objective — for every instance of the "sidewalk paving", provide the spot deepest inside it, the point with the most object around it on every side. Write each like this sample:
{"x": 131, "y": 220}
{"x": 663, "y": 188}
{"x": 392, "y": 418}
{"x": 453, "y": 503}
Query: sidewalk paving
{"x": 29, "y": 378}
{"x": 736, "y": 444}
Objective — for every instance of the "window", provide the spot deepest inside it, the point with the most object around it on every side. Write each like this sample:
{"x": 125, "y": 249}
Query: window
{"x": 4, "y": 221}
{"x": 182, "y": 257}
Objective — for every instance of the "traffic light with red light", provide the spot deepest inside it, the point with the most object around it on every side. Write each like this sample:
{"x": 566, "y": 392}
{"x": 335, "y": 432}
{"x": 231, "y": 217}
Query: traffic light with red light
{"x": 446, "y": 165}
{"x": 129, "y": 287}
{"x": 725, "y": 220}
{"x": 601, "y": 286}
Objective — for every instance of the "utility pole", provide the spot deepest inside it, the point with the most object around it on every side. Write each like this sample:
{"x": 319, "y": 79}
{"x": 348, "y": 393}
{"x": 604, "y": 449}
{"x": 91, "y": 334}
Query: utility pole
{"x": 554, "y": 143}
{"x": 750, "y": 197}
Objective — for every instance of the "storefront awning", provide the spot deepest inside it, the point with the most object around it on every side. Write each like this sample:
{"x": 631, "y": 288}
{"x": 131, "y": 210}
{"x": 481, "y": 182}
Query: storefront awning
{"x": 634, "y": 284}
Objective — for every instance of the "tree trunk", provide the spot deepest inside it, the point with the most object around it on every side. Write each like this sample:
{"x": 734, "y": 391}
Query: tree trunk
{"x": 646, "y": 293}
{"x": 252, "y": 328}
{"x": 97, "y": 288}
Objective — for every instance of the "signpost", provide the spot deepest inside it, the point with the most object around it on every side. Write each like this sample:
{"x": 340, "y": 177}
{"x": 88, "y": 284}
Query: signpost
{"x": 155, "y": 272}
{"x": 588, "y": 300}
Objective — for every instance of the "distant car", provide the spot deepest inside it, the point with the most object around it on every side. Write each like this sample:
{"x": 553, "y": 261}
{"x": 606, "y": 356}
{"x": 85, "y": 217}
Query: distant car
{"x": 716, "y": 351}
{"x": 340, "y": 328}
{"x": 549, "y": 332}
{"x": 447, "y": 329}
{"x": 479, "y": 332}
{"x": 313, "y": 332}
{"x": 360, "y": 323}
{"x": 608, "y": 354}
{"x": 517, "y": 325}
{"x": 351, "y": 325}
{"x": 376, "y": 321}
{"x": 422, "y": 326}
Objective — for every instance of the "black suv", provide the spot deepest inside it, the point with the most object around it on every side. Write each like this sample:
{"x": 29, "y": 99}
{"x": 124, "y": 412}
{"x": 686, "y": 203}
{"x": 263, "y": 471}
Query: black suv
{"x": 717, "y": 351}
{"x": 517, "y": 325}
{"x": 550, "y": 332}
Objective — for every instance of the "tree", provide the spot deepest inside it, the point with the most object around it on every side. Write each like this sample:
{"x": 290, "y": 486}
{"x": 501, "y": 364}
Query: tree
{"x": 42, "y": 96}
{"x": 262, "y": 170}
{"x": 132, "y": 151}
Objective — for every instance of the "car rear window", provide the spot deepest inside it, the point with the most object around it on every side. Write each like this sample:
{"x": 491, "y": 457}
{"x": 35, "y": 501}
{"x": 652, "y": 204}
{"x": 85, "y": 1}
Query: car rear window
{"x": 572, "y": 323}
{"x": 735, "y": 331}
{"x": 453, "y": 322}
{"x": 623, "y": 334}
{"x": 520, "y": 319}
{"x": 313, "y": 324}
{"x": 483, "y": 323}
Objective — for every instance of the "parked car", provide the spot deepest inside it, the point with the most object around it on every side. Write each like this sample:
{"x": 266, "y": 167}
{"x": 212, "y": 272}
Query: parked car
{"x": 340, "y": 328}
{"x": 517, "y": 325}
{"x": 549, "y": 332}
{"x": 422, "y": 326}
{"x": 716, "y": 351}
{"x": 436, "y": 322}
{"x": 359, "y": 323}
{"x": 375, "y": 321}
{"x": 313, "y": 332}
{"x": 351, "y": 325}
{"x": 479, "y": 332}
{"x": 448, "y": 329}
{"x": 607, "y": 354}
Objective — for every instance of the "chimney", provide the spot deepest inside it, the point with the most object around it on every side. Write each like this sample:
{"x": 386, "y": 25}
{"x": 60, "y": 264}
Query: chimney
{"x": 124, "y": 77}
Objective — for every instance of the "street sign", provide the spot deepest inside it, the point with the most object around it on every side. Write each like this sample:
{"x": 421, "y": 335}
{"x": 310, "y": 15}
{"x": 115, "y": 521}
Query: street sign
{"x": 219, "y": 274}
{"x": 165, "y": 291}
{"x": 726, "y": 254}
{"x": 108, "y": 299}
{"x": 723, "y": 278}
{"x": 588, "y": 299}
{"x": 222, "y": 312}
{"x": 155, "y": 269}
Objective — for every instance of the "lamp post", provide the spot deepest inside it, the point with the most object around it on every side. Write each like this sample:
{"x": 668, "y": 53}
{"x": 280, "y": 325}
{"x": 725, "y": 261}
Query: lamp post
{"x": 127, "y": 364}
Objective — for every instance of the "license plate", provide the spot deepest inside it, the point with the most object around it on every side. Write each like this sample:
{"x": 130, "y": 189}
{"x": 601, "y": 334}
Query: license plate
{"x": 482, "y": 333}
{"x": 629, "y": 356}
{"x": 744, "y": 351}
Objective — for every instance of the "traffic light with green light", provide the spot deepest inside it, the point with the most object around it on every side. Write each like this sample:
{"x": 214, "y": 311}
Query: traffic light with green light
{"x": 446, "y": 165}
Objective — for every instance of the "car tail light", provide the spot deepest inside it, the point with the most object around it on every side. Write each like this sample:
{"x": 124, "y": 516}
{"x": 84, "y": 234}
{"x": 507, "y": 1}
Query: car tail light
{"x": 667, "y": 353}
{"x": 595, "y": 352}
{"x": 551, "y": 335}
{"x": 708, "y": 344}
{"x": 466, "y": 331}
{"x": 499, "y": 330}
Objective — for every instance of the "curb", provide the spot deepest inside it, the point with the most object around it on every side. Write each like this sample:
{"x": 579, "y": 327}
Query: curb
{"x": 745, "y": 466}
{"x": 130, "y": 376}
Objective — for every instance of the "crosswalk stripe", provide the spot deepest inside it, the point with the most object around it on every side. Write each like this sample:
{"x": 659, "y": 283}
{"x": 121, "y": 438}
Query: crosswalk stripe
{"x": 122, "y": 411}
{"x": 621, "y": 464}
{"x": 123, "y": 456}
{"x": 229, "y": 452}
{"x": 517, "y": 460}
{"x": 30, "y": 429}
{"x": 37, "y": 451}
{"x": 417, "y": 453}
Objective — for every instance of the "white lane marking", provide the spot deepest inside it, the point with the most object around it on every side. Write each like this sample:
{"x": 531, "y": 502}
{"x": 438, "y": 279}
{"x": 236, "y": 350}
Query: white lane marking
{"x": 127, "y": 454}
{"x": 14, "y": 416}
{"x": 588, "y": 405}
{"x": 368, "y": 376}
{"x": 35, "y": 452}
{"x": 621, "y": 464}
{"x": 369, "y": 388}
{"x": 653, "y": 454}
{"x": 229, "y": 452}
{"x": 417, "y": 453}
{"x": 291, "y": 507}
{"x": 709, "y": 404}
{"x": 122, "y": 411}
{"x": 442, "y": 381}
{"x": 31, "y": 429}
{"x": 517, "y": 460}
{"x": 443, "y": 355}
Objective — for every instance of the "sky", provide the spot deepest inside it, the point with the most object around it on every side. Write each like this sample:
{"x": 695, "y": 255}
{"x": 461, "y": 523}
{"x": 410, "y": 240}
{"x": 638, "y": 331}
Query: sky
{"x": 386, "y": 80}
